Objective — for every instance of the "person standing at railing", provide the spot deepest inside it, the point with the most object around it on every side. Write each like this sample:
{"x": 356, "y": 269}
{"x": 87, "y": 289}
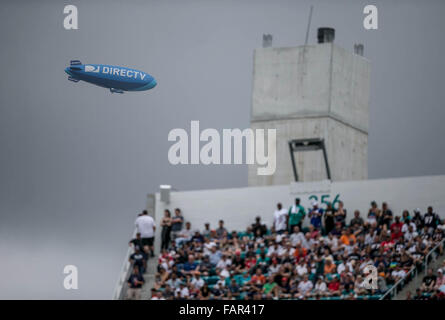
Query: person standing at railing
{"x": 373, "y": 213}
{"x": 340, "y": 214}
{"x": 386, "y": 216}
{"x": 138, "y": 259}
{"x": 166, "y": 224}
{"x": 315, "y": 215}
{"x": 280, "y": 219}
{"x": 418, "y": 219}
{"x": 146, "y": 226}
{"x": 177, "y": 223}
{"x": 137, "y": 242}
{"x": 296, "y": 215}
{"x": 329, "y": 219}
{"x": 430, "y": 219}
{"x": 135, "y": 282}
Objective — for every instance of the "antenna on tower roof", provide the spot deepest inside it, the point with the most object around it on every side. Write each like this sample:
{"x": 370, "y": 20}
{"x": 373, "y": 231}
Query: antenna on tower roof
{"x": 308, "y": 25}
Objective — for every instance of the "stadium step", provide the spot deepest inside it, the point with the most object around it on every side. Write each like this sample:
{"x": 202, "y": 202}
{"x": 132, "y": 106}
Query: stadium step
{"x": 149, "y": 278}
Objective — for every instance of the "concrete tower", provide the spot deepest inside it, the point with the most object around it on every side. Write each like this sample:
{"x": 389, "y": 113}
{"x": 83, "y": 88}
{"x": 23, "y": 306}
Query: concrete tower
{"x": 313, "y": 91}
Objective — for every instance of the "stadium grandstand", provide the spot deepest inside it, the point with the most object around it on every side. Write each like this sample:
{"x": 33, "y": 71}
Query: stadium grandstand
{"x": 301, "y": 249}
{"x": 295, "y": 234}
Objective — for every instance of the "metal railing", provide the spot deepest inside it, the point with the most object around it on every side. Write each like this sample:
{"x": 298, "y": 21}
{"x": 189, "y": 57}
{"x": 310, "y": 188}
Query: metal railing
{"x": 396, "y": 287}
{"x": 120, "y": 289}
{"x": 430, "y": 253}
{"x": 121, "y": 285}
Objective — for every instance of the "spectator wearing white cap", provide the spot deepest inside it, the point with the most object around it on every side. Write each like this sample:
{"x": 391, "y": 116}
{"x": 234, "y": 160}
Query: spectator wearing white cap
{"x": 440, "y": 281}
{"x": 315, "y": 215}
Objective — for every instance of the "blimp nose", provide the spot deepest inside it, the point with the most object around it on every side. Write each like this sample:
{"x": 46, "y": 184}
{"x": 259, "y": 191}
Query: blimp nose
{"x": 153, "y": 83}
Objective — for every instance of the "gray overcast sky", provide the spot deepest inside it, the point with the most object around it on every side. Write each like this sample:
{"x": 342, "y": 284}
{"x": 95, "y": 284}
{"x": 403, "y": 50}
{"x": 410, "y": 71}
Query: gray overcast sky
{"x": 77, "y": 161}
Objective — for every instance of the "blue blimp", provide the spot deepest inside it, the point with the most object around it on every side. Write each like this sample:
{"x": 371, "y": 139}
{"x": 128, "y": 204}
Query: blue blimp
{"x": 117, "y": 79}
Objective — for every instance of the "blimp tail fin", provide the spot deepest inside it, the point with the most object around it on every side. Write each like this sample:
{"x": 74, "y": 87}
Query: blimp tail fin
{"x": 75, "y": 65}
{"x": 75, "y": 62}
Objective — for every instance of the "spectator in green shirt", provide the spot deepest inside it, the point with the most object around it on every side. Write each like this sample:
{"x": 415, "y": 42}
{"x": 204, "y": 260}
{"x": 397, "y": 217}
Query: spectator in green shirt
{"x": 270, "y": 286}
{"x": 296, "y": 215}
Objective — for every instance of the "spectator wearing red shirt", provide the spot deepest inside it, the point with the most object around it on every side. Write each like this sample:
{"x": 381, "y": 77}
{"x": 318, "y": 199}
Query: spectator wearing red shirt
{"x": 250, "y": 261}
{"x": 387, "y": 243}
{"x": 334, "y": 286}
{"x": 396, "y": 229}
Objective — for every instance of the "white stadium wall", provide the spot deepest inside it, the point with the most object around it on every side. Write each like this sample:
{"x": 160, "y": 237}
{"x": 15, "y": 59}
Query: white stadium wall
{"x": 239, "y": 206}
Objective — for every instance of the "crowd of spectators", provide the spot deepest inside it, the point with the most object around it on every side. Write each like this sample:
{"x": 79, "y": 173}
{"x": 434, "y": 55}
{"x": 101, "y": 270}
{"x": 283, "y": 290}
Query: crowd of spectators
{"x": 307, "y": 253}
